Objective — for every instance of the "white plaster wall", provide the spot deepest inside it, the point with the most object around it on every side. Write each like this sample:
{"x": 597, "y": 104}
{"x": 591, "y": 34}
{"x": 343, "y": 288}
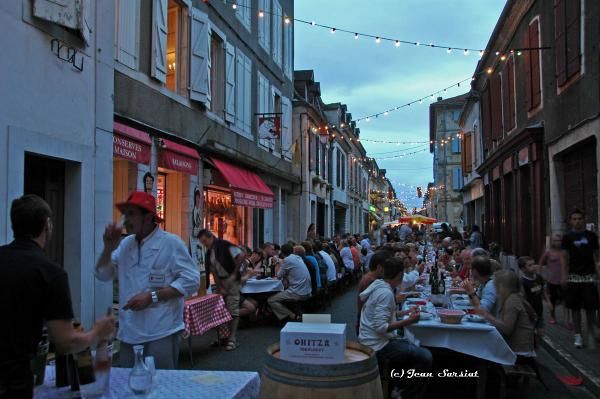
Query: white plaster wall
{"x": 48, "y": 107}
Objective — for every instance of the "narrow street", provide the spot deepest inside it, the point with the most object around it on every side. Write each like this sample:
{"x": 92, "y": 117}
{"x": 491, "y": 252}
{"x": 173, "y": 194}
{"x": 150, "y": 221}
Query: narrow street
{"x": 254, "y": 341}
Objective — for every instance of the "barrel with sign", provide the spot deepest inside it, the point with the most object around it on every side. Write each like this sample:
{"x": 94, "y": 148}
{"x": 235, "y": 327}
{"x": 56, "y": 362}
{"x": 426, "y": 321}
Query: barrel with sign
{"x": 357, "y": 377}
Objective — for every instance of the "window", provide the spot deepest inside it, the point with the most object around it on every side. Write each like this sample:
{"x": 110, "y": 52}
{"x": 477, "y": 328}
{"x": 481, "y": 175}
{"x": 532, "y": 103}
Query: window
{"x": 264, "y": 24}
{"x": 317, "y": 153}
{"x": 264, "y": 104}
{"x": 495, "y": 107}
{"x": 533, "y": 77}
{"x": 456, "y": 115}
{"x": 338, "y": 169}
{"x": 216, "y": 67}
{"x": 126, "y": 34}
{"x": 455, "y": 145}
{"x": 323, "y": 160}
{"x": 243, "y": 13}
{"x": 457, "y": 178}
{"x": 176, "y": 48}
{"x": 243, "y": 87}
{"x": 288, "y": 56}
{"x": 567, "y": 39}
{"x": 467, "y": 154}
{"x": 508, "y": 94}
{"x": 486, "y": 118}
{"x": 277, "y": 34}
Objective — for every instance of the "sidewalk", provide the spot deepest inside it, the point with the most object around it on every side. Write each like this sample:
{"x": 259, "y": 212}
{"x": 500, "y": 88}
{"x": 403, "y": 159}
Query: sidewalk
{"x": 558, "y": 342}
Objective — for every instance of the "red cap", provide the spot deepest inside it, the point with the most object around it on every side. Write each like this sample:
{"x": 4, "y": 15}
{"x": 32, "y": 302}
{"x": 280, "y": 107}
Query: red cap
{"x": 142, "y": 200}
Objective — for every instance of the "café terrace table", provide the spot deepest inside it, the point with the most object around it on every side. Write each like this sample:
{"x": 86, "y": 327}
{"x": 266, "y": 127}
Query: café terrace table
{"x": 255, "y": 286}
{"x": 476, "y": 339}
{"x": 190, "y": 384}
{"x": 202, "y": 314}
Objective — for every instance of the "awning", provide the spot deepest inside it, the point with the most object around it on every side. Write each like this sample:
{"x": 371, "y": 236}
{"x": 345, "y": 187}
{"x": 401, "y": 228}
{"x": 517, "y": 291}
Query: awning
{"x": 131, "y": 144}
{"x": 179, "y": 157}
{"x": 247, "y": 188}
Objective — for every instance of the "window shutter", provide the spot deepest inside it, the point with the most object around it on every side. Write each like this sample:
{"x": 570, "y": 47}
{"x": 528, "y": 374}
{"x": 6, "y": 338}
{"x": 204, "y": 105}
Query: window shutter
{"x": 229, "y": 82}
{"x": 264, "y": 31}
{"x": 536, "y": 76}
{"x": 277, "y": 38}
{"x": 455, "y": 178}
{"x": 560, "y": 48}
{"x": 289, "y": 51}
{"x": 527, "y": 57}
{"x": 496, "y": 106}
{"x": 159, "y": 40}
{"x": 248, "y": 95}
{"x": 263, "y": 103}
{"x": 286, "y": 131}
{"x": 455, "y": 145}
{"x": 243, "y": 91}
{"x": 475, "y": 140}
{"x": 126, "y": 32}
{"x": 573, "y": 32}
{"x": 510, "y": 66}
{"x": 505, "y": 98}
{"x": 486, "y": 118}
{"x": 62, "y": 12}
{"x": 199, "y": 57}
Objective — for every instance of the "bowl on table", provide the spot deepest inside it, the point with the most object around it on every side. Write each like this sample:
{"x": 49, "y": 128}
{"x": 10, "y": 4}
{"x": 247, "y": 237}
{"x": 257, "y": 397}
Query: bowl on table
{"x": 451, "y": 316}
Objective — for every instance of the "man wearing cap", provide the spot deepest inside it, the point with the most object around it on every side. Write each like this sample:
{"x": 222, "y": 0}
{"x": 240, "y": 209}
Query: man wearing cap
{"x": 155, "y": 273}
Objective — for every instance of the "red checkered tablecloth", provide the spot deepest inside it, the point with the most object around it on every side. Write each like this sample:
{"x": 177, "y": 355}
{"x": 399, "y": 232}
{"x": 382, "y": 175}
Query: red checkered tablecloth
{"x": 202, "y": 314}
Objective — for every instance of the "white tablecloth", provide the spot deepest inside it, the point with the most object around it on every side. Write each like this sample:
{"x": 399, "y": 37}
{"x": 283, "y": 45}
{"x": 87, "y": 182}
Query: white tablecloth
{"x": 190, "y": 384}
{"x": 480, "y": 340}
{"x": 259, "y": 286}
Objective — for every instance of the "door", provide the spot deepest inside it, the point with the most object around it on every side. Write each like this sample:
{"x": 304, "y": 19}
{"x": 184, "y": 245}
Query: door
{"x": 579, "y": 179}
{"x": 45, "y": 177}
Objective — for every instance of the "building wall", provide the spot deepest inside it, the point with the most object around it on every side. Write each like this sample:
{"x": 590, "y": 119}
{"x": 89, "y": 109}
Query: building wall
{"x": 53, "y": 110}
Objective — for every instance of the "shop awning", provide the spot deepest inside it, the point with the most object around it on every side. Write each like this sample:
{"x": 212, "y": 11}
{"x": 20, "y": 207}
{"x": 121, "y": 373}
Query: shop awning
{"x": 131, "y": 144}
{"x": 179, "y": 157}
{"x": 247, "y": 188}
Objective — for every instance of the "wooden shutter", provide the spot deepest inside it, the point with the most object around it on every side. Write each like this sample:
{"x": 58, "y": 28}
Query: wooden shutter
{"x": 243, "y": 91}
{"x": 560, "y": 46}
{"x": 159, "y": 39}
{"x": 510, "y": 67}
{"x": 573, "y": 33}
{"x": 199, "y": 56}
{"x": 536, "y": 76}
{"x": 277, "y": 32}
{"x": 486, "y": 118}
{"x": 126, "y": 40}
{"x": 528, "y": 55}
{"x": 496, "y": 106}
{"x": 468, "y": 154}
{"x": 229, "y": 82}
{"x": 264, "y": 31}
{"x": 247, "y": 95}
{"x": 286, "y": 127}
{"x": 505, "y": 98}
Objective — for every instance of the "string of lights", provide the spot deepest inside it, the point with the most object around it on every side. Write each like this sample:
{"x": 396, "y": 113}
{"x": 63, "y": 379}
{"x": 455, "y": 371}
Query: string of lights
{"x": 398, "y": 150}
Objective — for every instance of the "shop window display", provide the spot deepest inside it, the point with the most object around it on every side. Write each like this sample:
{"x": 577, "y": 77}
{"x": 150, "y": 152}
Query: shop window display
{"x": 223, "y": 218}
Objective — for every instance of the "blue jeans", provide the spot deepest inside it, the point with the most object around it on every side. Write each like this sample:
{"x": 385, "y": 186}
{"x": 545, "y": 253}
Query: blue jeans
{"x": 399, "y": 354}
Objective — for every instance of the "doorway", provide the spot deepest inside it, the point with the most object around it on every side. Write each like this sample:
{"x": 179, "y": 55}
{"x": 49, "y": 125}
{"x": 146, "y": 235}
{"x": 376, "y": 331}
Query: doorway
{"x": 45, "y": 177}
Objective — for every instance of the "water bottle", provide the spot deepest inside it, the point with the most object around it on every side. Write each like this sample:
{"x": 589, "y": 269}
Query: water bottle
{"x": 140, "y": 378}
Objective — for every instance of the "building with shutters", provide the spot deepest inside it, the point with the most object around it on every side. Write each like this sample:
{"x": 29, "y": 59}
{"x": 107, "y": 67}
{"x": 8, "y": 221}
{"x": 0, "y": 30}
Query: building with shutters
{"x": 203, "y": 96}
{"x": 56, "y": 123}
{"x": 539, "y": 122}
{"x": 444, "y": 135}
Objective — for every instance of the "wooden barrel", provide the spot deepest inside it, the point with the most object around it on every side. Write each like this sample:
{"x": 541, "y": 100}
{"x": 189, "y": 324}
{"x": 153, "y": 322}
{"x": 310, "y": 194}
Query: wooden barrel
{"x": 357, "y": 377}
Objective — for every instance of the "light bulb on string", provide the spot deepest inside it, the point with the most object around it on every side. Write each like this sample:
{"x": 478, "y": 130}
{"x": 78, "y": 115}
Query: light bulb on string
{"x": 489, "y": 71}
{"x": 449, "y": 50}
{"x": 356, "y": 36}
{"x": 332, "y": 31}
{"x": 417, "y": 43}
{"x": 261, "y": 13}
{"x": 377, "y": 40}
{"x": 287, "y": 20}
{"x": 397, "y": 43}
{"x": 313, "y": 23}
{"x": 480, "y": 53}
{"x": 503, "y": 57}
{"x": 234, "y": 6}
{"x": 519, "y": 52}
{"x": 466, "y": 52}
{"x": 386, "y": 113}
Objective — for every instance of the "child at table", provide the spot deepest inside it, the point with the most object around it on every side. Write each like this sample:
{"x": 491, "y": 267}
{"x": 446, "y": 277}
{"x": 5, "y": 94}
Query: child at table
{"x": 533, "y": 286}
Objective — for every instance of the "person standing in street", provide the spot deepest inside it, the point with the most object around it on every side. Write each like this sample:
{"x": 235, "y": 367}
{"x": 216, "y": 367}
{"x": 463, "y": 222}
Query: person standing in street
{"x": 35, "y": 290}
{"x": 223, "y": 260}
{"x": 155, "y": 273}
{"x": 580, "y": 247}
{"x": 476, "y": 239}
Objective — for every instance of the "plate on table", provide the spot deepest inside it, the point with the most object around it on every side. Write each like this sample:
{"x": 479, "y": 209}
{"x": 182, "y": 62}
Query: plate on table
{"x": 474, "y": 318}
{"x": 461, "y": 302}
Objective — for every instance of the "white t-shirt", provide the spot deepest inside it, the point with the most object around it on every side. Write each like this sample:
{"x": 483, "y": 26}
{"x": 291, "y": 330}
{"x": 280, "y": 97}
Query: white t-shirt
{"x": 331, "y": 273}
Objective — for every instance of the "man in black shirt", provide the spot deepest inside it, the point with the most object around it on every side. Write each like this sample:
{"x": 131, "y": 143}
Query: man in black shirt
{"x": 581, "y": 248}
{"x": 34, "y": 291}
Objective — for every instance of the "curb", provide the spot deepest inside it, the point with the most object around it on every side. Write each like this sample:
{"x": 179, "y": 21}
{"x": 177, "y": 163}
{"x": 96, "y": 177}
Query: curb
{"x": 591, "y": 382}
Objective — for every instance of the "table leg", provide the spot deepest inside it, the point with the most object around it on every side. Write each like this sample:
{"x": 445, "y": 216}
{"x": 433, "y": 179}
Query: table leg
{"x": 482, "y": 380}
{"x": 189, "y": 340}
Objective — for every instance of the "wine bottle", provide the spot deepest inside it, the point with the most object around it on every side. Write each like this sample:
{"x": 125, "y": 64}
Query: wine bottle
{"x": 84, "y": 364}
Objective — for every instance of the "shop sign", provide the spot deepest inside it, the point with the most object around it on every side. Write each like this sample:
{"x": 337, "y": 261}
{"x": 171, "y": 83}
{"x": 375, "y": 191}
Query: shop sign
{"x": 126, "y": 148}
{"x": 179, "y": 162}
{"x": 251, "y": 200}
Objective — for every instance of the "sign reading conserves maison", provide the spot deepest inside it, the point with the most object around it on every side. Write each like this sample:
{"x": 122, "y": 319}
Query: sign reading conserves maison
{"x": 252, "y": 200}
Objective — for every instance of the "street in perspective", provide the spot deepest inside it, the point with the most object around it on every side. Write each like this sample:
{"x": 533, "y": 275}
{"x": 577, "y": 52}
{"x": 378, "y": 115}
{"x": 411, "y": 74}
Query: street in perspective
{"x": 279, "y": 199}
